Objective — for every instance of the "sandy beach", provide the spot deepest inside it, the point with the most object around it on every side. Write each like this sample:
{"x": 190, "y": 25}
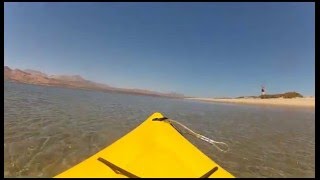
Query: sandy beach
{"x": 302, "y": 102}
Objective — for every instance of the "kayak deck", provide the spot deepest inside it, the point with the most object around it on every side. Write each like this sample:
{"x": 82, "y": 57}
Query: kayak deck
{"x": 153, "y": 149}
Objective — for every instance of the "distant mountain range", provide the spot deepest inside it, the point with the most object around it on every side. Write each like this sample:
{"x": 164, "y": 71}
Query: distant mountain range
{"x": 29, "y": 76}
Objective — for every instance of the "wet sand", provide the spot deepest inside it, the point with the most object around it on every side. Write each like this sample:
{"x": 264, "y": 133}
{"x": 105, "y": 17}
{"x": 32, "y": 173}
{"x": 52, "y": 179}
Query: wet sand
{"x": 302, "y": 102}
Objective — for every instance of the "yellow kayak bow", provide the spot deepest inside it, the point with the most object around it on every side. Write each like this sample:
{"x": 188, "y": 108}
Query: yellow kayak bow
{"x": 153, "y": 149}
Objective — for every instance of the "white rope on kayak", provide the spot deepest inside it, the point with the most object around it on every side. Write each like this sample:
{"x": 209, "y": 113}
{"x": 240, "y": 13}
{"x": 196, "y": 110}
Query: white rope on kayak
{"x": 202, "y": 137}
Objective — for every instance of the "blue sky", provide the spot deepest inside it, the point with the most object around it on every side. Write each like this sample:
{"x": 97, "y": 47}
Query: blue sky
{"x": 198, "y": 49}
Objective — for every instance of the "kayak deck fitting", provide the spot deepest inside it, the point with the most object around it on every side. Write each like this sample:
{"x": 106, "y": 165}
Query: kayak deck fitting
{"x": 153, "y": 149}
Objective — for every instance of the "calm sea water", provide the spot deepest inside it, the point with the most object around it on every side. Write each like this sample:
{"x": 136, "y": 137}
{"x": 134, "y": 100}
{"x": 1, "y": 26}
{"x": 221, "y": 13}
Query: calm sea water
{"x": 48, "y": 130}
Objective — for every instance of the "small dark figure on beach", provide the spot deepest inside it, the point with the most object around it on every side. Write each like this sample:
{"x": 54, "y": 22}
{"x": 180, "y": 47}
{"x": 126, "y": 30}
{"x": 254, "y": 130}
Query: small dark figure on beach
{"x": 262, "y": 90}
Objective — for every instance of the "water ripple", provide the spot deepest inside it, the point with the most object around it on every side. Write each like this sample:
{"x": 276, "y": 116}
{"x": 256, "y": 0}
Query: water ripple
{"x": 49, "y": 129}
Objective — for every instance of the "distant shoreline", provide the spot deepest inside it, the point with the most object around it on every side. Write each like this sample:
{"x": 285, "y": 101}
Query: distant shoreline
{"x": 91, "y": 89}
{"x": 75, "y": 82}
{"x": 298, "y": 102}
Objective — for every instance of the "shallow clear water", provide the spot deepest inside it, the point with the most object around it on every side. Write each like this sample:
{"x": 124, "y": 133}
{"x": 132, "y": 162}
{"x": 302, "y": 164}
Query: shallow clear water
{"x": 48, "y": 130}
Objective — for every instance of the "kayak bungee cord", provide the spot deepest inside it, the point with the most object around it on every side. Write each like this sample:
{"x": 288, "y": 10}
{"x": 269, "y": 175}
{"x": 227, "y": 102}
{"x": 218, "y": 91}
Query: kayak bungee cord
{"x": 202, "y": 137}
